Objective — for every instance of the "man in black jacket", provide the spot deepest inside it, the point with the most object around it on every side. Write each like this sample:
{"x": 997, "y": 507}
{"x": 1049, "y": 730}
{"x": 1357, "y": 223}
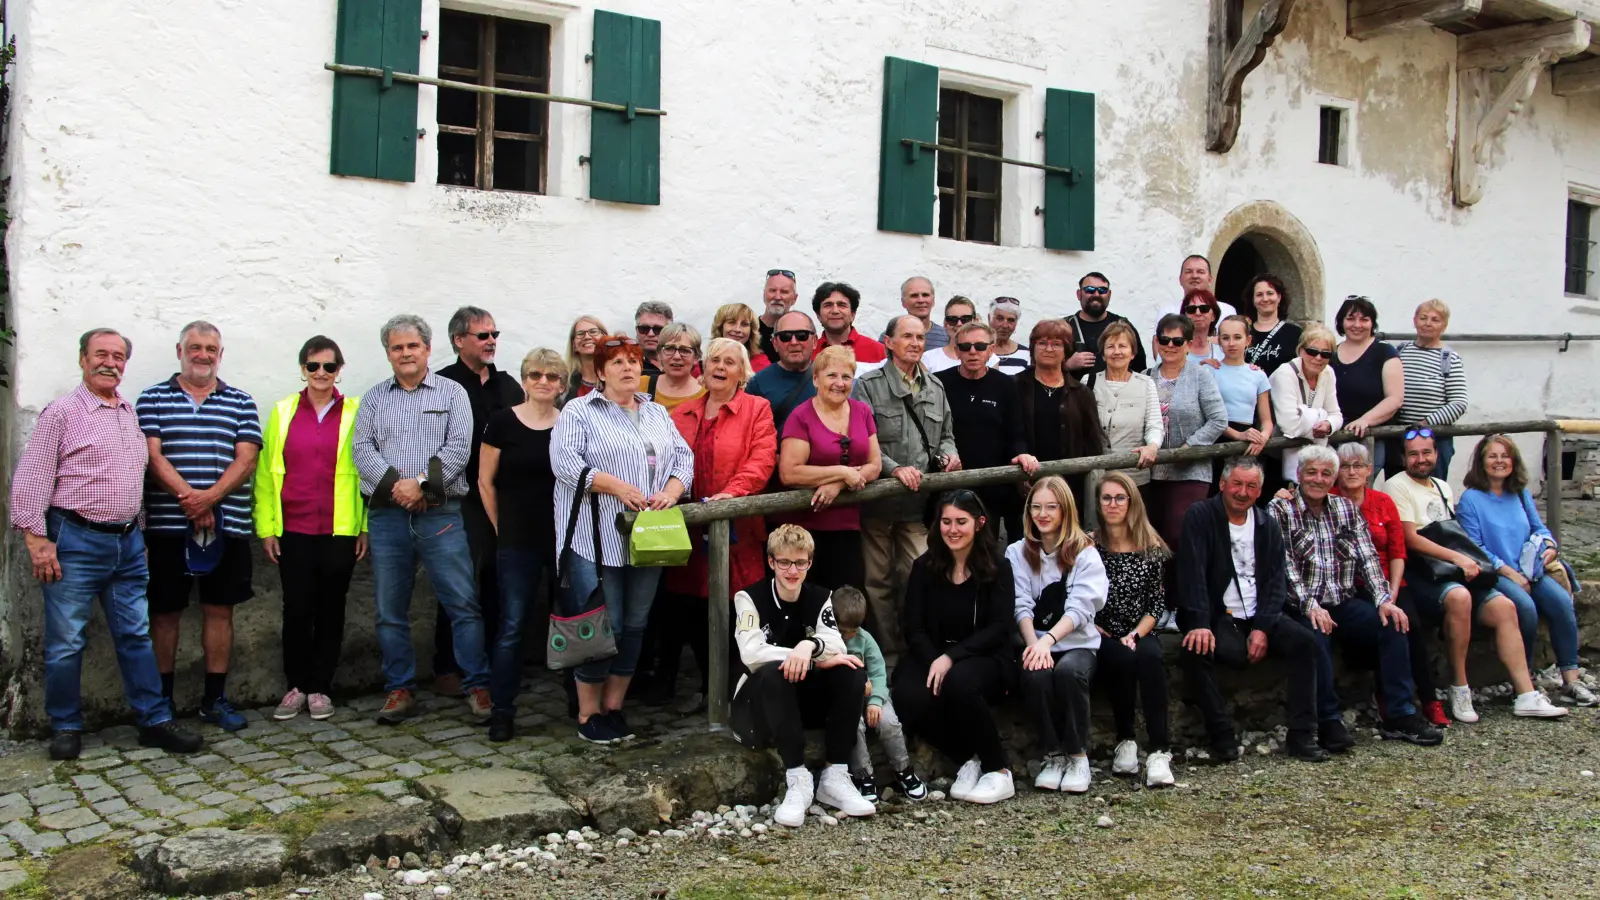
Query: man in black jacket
{"x": 1230, "y": 608}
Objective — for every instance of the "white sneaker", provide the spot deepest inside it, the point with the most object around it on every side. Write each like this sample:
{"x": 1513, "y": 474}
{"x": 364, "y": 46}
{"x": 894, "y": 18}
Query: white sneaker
{"x": 1158, "y": 769}
{"x": 1076, "y": 779}
{"x": 1168, "y": 622}
{"x": 1577, "y": 694}
{"x": 836, "y": 789}
{"x": 1126, "y": 759}
{"x": 992, "y": 787}
{"x": 1461, "y": 704}
{"x": 796, "y": 799}
{"x": 1535, "y": 705}
{"x": 1049, "y": 778}
{"x": 966, "y": 779}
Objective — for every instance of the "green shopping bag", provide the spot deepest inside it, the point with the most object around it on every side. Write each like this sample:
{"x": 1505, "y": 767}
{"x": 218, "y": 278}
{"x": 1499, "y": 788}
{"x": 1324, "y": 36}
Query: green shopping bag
{"x": 659, "y": 538}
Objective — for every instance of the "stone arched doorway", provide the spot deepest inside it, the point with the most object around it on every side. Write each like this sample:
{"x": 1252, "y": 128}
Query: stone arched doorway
{"x": 1260, "y": 237}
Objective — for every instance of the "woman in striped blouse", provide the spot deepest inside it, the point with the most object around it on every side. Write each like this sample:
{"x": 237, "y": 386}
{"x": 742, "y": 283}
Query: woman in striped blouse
{"x": 635, "y": 459}
{"x": 1436, "y": 387}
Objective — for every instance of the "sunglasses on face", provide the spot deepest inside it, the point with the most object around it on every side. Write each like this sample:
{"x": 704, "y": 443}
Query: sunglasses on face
{"x": 485, "y": 335}
{"x": 1171, "y": 340}
{"x": 648, "y": 329}
{"x": 959, "y": 320}
{"x": 1191, "y": 310}
{"x": 1093, "y": 290}
{"x": 1322, "y": 354}
{"x": 784, "y": 272}
{"x": 329, "y": 367}
{"x": 1419, "y": 432}
{"x": 969, "y": 346}
{"x": 551, "y": 377}
{"x": 790, "y": 337}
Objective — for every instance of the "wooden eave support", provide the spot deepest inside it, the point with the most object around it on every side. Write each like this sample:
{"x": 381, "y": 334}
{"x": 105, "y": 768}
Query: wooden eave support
{"x": 1571, "y": 78}
{"x": 1370, "y": 18}
{"x": 1496, "y": 73}
{"x": 1230, "y": 64}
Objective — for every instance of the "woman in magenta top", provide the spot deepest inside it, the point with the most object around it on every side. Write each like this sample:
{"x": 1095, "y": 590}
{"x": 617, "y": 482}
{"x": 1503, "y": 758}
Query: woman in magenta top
{"x": 830, "y": 444}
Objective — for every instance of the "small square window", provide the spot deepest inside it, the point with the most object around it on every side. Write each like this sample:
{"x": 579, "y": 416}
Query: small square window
{"x": 969, "y": 186}
{"x": 1580, "y": 248}
{"x": 490, "y": 141}
{"x": 1333, "y": 136}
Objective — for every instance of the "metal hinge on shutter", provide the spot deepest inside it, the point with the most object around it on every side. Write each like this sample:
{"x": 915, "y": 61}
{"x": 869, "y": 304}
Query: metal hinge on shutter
{"x": 389, "y": 76}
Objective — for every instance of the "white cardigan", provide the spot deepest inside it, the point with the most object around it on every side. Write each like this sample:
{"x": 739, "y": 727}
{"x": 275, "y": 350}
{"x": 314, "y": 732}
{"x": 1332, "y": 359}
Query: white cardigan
{"x": 1298, "y": 409}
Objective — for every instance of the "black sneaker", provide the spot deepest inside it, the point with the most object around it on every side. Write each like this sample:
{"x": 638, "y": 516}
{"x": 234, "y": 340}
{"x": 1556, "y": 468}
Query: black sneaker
{"x": 169, "y": 737}
{"x": 1303, "y": 748}
{"x": 1334, "y": 737}
{"x": 1224, "y": 752}
{"x": 619, "y": 724}
{"x": 598, "y": 730}
{"x": 1412, "y": 729}
{"x": 867, "y": 788}
{"x": 912, "y": 786}
{"x": 501, "y": 727}
{"x": 66, "y": 745}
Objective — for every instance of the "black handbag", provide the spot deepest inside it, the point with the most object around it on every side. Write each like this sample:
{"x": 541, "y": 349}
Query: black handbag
{"x": 585, "y": 635}
{"x": 1449, "y": 534}
{"x": 1051, "y": 604}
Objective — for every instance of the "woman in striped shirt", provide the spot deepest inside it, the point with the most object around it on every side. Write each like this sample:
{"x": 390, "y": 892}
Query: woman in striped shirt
{"x": 635, "y": 459}
{"x": 1436, "y": 386}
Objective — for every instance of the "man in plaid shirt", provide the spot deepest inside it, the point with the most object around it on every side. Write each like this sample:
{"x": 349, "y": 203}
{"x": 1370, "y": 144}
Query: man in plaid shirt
{"x": 1337, "y": 586}
{"x": 76, "y": 498}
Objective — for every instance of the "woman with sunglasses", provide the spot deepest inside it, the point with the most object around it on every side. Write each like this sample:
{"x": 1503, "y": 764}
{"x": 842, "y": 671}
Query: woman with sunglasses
{"x": 958, "y": 665}
{"x": 737, "y": 322}
{"x": 1192, "y": 415}
{"x": 830, "y": 444}
{"x": 581, "y": 339}
{"x": 679, "y": 355}
{"x": 312, "y": 523}
{"x": 1305, "y": 395}
{"x": 635, "y": 459}
{"x": 1200, "y": 305}
{"x": 735, "y": 448}
{"x": 1059, "y": 417}
{"x": 958, "y": 312}
{"x": 518, "y": 489}
{"x": 1272, "y": 337}
{"x": 1059, "y": 585}
{"x": 1371, "y": 378}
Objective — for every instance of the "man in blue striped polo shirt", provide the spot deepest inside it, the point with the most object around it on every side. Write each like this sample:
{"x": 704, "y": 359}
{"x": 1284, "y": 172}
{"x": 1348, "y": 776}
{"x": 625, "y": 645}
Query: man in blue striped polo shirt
{"x": 204, "y": 436}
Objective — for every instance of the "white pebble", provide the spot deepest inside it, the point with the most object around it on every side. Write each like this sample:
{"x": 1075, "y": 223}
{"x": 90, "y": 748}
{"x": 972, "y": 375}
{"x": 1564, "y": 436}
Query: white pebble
{"x": 980, "y": 823}
{"x": 654, "y": 833}
{"x": 745, "y": 832}
{"x": 490, "y": 867}
{"x": 371, "y": 895}
{"x": 622, "y": 842}
{"x": 574, "y": 836}
{"x": 1103, "y": 822}
{"x": 815, "y": 810}
{"x": 758, "y": 828}
{"x": 414, "y": 878}
{"x": 936, "y": 795}
{"x": 475, "y": 859}
{"x": 441, "y": 890}
{"x": 829, "y": 820}
{"x": 552, "y": 838}
{"x": 519, "y": 866}
{"x": 452, "y": 869}
{"x": 1586, "y": 774}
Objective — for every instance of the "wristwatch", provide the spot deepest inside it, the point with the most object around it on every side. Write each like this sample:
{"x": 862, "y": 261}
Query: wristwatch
{"x": 422, "y": 480}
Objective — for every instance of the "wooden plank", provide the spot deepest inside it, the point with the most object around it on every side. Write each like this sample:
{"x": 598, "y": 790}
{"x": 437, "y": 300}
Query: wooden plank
{"x": 1370, "y": 18}
{"x": 1571, "y": 78}
{"x": 625, "y": 150}
{"x": 397, "y": 104}
{"x": 1509, "y": 46}
{"x": 358, "y": 41}
{"x": 720, "y": 599}
{"x": 1552, "y": 483}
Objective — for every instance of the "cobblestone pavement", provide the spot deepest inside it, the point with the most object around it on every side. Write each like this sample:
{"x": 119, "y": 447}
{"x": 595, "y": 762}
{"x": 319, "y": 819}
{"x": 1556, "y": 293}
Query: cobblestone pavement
{"x": 121, "y": 792}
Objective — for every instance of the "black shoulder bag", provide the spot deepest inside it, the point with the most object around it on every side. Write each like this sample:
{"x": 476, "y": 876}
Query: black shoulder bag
{"x": 1449, "y": 534}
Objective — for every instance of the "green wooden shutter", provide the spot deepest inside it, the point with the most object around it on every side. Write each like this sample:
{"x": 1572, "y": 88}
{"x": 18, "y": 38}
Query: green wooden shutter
{"x": 374, "y": 124}
{"x": 1069, "y": 143}
{"x": 625, "y": 149}
{"x": 906, "y": 173}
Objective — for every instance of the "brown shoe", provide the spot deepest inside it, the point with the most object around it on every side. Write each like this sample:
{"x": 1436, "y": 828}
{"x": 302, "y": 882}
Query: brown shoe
{"x": 478, "y": 702}
{"x": 447, "y": 685}
{"x": 397, "y": 708}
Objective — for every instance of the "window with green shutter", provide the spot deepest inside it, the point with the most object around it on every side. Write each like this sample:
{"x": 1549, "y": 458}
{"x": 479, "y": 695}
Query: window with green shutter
{"x": 375, "y": 119}
{"x": 1069, "y": 144}
{"x": 625, "y": 147}
{"x": 906, "y": 172}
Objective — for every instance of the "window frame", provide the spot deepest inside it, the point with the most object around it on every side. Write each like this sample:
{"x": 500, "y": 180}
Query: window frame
{"x": 1588, "y": 200}
{"x": 484, "y": 133}
{"x": 959, "y": 192}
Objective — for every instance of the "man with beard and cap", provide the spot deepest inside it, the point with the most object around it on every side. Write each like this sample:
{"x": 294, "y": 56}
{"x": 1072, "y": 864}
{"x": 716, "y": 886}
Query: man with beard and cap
{"x": 777, "y": 298}
{"x": 1090, "y": 321}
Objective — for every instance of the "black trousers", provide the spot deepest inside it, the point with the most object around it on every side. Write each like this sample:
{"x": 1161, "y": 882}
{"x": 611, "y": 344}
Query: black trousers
{"x": 959, "y": 722}
{"x": 771, "y": 711}
{"x": 1057, "y": 700}
{"x": 481, "y": 544}
{"x": 1287, "y": 641}
{"x": 837, "y": 560}
{"x": 682, "y": 621}
{"x": 316, "y": 570}
{"x": 1132, "y": 675}
{"x": 1417, "y": 640}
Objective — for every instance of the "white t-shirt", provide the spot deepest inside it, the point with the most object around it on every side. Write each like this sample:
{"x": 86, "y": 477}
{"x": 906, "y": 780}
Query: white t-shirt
{"x": 1240, "y": 598}
{"x": 1014, "y": 362}
{"x": 1420, "y": 504}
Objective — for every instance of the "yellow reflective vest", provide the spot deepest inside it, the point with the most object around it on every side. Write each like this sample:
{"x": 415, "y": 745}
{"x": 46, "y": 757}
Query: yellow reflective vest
{"x": 349, "y": 510}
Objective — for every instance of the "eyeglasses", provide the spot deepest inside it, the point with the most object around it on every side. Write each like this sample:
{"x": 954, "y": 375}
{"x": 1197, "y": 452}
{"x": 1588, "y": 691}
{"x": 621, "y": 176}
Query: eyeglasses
{"x": 969, "y": 346}
{"x": 588, "y": 333}
{"x": 1419, "y": 432}
{"x": 784, "y": 272}
{"x": 329, "y": 367}
{"x": 648, "y": 329}
{"x": 1044, "y": 507}
{"x": 798, "y": 565}
{"x": 1050, "y": 345}
{"x": 1113, "y": 499}
{"x": 1167, "y": 340}
{"x": 790, "y": 337}
{"x": 552, "y": 377}
{"x": 959, "y": 320}
{"x": 844, "y": 449}
{"x": 1197, "y": 308}
{"x": 484, "y": 335}
{"x": 1322, "y": 354}
{"x": 674, "y": 350}
{"x": 1093, "y": 290}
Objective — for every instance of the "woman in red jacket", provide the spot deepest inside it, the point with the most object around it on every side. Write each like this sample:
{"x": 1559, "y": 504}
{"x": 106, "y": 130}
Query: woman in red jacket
{"x": 735, "y": 449}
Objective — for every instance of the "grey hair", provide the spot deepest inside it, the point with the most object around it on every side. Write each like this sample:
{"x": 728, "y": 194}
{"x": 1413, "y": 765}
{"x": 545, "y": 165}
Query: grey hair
{"x": 677, "y": 329}
{"x": 200, "y": 325}
{"x": 907, "y": 283}
{"x": 91, "y": 334}
{"x": 407, "y": 322}
{"x": 1317, "y": 453}
{"x": 894, "y": 324}
{"x": 463, "y": 319}
{"x": 1353, "y": 452}
{"x": 811, "y": 325}
{"x": 653, "y": 307}
{"x": 1247, "y": 463}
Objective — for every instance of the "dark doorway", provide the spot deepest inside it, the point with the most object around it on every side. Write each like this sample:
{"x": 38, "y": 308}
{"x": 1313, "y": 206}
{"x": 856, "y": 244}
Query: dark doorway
{"x": 1239, "y": 265}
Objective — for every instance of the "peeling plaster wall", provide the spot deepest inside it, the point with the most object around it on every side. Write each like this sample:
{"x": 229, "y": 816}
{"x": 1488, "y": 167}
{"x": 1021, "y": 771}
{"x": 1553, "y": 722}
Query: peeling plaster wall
{"x": 173, "y": 164}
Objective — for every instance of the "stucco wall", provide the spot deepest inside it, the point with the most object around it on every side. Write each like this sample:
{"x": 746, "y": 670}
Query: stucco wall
{"x": 170, "y": 165}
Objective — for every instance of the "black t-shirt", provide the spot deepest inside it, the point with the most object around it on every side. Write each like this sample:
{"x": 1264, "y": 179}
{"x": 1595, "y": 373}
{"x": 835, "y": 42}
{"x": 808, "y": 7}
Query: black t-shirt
{"x": 525, "y": 485}
{"x": 1272, "y": 348}
{"x": 1089, "y": 339}
{"x": 488, "y": 397}
{"x": 1047, "y": 422}
{"x": 988, "y": 423}
{"x": 1360, "y": 384}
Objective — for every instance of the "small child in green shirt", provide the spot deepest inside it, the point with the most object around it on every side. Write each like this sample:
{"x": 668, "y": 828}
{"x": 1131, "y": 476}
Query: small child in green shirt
{"x": 850, "y": 609}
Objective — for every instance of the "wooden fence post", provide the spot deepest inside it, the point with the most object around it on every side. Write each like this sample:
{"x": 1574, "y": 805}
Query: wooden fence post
{"x": 719, "y": 608}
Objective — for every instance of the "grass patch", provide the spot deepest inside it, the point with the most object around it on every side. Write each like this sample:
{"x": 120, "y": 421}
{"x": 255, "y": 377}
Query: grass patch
{"x": 759, "y": 888}
{"x": 35, "y": 887}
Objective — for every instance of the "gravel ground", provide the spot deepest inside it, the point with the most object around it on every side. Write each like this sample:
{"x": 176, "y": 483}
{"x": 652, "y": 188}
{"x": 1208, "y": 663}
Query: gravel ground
{"x": 1506, "y": 808}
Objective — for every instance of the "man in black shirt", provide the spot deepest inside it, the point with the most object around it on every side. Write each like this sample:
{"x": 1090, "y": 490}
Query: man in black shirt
{"x": 473, "y": 334}
{"x": 988, "y": 423}
{"x": 1094, "y": 299}
{"x": 648, "y": 321}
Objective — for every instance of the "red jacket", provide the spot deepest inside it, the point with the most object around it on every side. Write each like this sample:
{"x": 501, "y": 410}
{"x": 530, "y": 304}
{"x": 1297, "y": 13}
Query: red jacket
{"x": 746, "y": 452}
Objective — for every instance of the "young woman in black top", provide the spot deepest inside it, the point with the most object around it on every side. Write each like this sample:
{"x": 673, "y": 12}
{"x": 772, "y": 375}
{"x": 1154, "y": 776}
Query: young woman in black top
{"x": 518, "y": 489}
{"x": 956, "y": 619}
{"x": 1273, "y": 337}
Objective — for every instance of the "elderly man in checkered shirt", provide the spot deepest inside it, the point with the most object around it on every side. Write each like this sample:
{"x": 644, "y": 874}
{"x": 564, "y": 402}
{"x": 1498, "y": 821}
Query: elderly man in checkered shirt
{"x": 76, "y": 498}
{"x": 1337, "y": 587}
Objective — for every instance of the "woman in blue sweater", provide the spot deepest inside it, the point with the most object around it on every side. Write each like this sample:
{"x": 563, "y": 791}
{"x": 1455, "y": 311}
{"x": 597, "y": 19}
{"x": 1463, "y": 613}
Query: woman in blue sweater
{"x": 1497, "y": 511}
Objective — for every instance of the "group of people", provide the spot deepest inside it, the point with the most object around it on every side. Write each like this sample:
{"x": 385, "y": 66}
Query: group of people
{"x": 906, "y": 615}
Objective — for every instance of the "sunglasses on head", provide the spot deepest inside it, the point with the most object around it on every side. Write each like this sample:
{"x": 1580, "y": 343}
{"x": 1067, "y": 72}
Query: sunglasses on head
{"x": 484, "y": 335}
{"x": 960, "y": 320}
{"x": 1008, "y": 301}
{"x": 1323, "y": 354}
{"x": 1173, "y": 340}
{"x": 1197, "y": 308}
{"x": 789, "y": 337}
{"x": 552, "y": 377}
{"x": 969, "y": 346}
{"x": 1419, "y": 432}
{"x": 784, "y": 272}
{"x": 648, "y": 329}
{"x": 1095, "y": 290}
{"x": 329, "y": 367}
{"x": 621, "y": 342}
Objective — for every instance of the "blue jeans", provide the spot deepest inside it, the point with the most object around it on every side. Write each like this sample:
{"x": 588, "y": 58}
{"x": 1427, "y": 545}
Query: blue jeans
{"x": 110, "y": 568}
{"x": 519, "y": 571}
{"x": 1549, "y": 601}
{"x": 396, "y": 538}
{"x": 629, "y": 593}
{"x": 1356, "y": 621}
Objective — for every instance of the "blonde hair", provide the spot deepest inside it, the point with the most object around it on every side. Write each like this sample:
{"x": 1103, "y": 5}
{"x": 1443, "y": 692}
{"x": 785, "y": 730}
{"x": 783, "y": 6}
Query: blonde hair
{"x": 1141, "y": 533}
{"x": 1316, "y": 331}
{"x": 543, "y": 359}
{"x": 572, "y": 338}
{"x": 727, "y": 345}
{"x": 790, "y": 537}
{"x": 1072, "y": 539}
{"x": 1435, "y": 305}
{"x": 733, "y": 312}
{"x": 835, "y": 355}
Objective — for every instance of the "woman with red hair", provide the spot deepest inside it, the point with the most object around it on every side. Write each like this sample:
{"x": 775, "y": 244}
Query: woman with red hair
{"x": 1200, "y": 306}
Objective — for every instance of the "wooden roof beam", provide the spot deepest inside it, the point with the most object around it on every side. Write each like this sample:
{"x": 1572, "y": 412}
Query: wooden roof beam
{"x": 1231, "y": 63}
{"x": 1500, "y": 48}
{"x": 1571, "y": 78}
{"x": 1369, "y": 18}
